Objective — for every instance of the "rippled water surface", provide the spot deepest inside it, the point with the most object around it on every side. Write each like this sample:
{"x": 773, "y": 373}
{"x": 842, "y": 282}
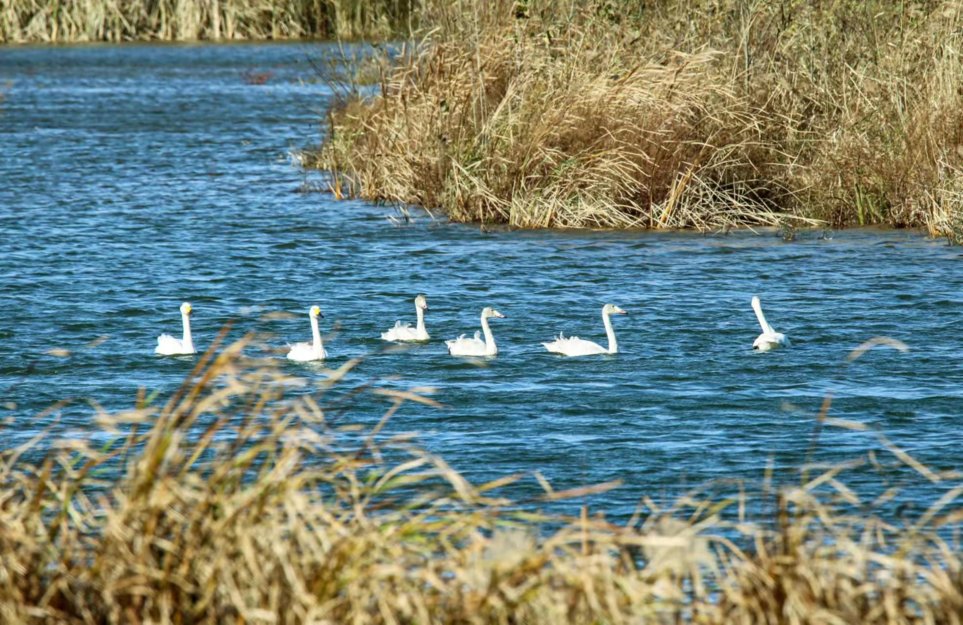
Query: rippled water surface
{"x": 135, "y": 178}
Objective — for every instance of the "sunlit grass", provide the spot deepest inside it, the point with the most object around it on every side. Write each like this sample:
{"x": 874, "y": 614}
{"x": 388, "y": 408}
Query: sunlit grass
{"x": 51, "y": 21}
{"x": 240, "y": 498}
{"x": 665, "y": 115}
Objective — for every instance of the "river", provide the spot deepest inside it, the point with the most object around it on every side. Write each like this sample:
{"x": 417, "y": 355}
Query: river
{"x": 137, "y": 177}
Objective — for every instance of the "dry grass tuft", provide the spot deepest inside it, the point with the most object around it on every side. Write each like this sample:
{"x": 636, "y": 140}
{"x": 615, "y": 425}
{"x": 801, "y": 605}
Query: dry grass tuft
{"x": 667, "y": 115}
{"x": 241, "y": 499}
{"x": 55, "y": 21}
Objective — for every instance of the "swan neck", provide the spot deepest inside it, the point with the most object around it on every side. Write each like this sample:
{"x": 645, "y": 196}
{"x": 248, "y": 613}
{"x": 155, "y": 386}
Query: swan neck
{"x": 610, "y": 332}
{"x": 490, "y": 347}
{"x": 188, "y": 340}
{"x": 316, "y": 334}
{"x": 421, "y": 319}
{"x": 762, "y": 318}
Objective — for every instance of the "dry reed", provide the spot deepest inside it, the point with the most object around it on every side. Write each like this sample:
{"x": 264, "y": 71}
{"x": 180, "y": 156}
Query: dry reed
{"x": 241, "y": 499}
{"x": 666, "y": 115}
{"x": 59, "y": 21}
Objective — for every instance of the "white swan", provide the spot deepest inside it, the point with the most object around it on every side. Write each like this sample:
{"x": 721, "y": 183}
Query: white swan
{"x": 167, "y": 345}
{"x": 305, "y": 352}
{"x": 463, "y": 346}
{"x": 769, "y": 337}
{"x": 404, "y": 332}
{"x": 574, "y": 346}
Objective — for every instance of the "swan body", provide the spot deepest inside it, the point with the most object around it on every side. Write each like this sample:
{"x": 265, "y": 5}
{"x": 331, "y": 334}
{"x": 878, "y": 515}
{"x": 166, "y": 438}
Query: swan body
{"x": 463, "y": 346}
{"x": 404, "y": 332}
{"x": 769, "y": 338}
{"x": 574, "y": 346}
{"x": 307, "y": 352}
{"x": 167, "y": 345}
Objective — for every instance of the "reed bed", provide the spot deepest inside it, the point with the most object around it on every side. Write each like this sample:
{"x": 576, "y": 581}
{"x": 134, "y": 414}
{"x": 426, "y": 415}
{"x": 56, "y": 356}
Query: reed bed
{"x": 666, "y": 115}
{"x": 242, "y": 499}
{"x": 68, "y": 21}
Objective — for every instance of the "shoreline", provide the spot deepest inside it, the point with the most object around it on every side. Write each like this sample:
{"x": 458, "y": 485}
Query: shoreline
{"x": 565, "y": 115}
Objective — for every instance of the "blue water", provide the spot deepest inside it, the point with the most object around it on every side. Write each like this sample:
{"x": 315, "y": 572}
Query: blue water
{"x": 134, "y": 178}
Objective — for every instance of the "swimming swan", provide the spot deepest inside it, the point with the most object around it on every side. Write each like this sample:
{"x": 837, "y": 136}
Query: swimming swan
{"x": 167, "y": 345}
{"x": 769, "y": 337}
{"x": 476, "y": 347}
{"x": 574, "y": 346}
{"x": 306, "y": 352}
{"x": 404, "y": 332}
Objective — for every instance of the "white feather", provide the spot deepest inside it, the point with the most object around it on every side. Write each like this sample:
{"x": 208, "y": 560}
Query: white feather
{"x": 307, "y": 352}
{"x": 404, "y": 332}
{"x": 769, "y": 339}
{"x": 574, "y": 346}
{"x": 167, "y": 345}
{"x": 463, "y": 346}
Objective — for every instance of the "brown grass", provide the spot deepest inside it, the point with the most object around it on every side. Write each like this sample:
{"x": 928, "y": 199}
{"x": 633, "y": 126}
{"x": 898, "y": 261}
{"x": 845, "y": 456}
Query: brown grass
{"x": 58, "y": 21}
{"x": 667, "y": 115}
{"x": 241, "y": 499}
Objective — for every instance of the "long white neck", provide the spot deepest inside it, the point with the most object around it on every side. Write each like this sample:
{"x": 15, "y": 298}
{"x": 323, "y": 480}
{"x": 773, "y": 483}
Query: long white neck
{"x": 316, "y": 335}
{"x": 490, "y": 348}
{"x": 610, "y": 332}
{"x": 420, "y": 313}
{"x": 761, "y": 317}
{"x": 188, "y": 340}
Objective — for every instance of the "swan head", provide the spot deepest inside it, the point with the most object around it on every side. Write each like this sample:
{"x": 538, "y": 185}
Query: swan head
{"x": 421, "y": 302}
{"x": 755, "y": 301}
{"x": 490, "y": 312}
{"x": 315, "y": 312}
{"x": 186, "y": 308}
{"x": 612, "y": 309}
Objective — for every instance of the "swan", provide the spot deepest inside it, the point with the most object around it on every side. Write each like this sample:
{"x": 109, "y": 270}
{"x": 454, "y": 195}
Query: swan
{"x": 404, "y": 332}
{"x": 476, "y": 347}
{"x": 574, "y": 346}
{"x": 167, "y": 345}
{"x": 769, "y": 337}
{"x": 305, "y": 352}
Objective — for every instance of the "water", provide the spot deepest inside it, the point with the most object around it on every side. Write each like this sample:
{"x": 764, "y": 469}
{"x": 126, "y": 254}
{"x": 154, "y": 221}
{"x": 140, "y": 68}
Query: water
{"x": 134, "y": 178}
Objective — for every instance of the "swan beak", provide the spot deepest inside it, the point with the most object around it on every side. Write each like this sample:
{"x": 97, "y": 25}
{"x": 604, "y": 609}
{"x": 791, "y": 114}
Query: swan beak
{"x": 499, "y": 315}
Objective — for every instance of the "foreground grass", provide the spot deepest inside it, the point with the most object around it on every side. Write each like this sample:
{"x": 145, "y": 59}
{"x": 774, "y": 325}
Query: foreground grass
{"x": 670, "y": 114}
{"x": 239, "y": 500}
{"x": 57, "y": 21}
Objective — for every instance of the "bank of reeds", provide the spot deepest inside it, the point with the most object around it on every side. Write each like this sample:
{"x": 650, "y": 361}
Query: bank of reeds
{"x": 60, "y": 21}
{"x": 241, "y": 499}
{"x": 668, "y": 114}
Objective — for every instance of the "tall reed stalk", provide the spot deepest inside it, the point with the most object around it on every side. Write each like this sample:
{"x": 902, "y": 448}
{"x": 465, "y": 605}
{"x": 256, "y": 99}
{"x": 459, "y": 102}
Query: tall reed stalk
{"x": 669, "y": 114}
{"x": 58, "y": 21}
{"x": 241, "y": 499}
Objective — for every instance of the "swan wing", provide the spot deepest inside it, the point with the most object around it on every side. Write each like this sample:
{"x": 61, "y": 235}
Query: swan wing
{"x": 167, "y": 345}
{"x": 399, "y": 332}
{"x": 304, "y": 352}
{"x": 463, "y": 346}
{"x": 574, "y": 346}
{"x": 404, "y": 332}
